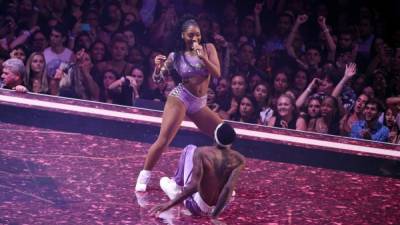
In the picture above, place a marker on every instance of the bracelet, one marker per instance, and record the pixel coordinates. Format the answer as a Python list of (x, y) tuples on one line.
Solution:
[(158, 78)]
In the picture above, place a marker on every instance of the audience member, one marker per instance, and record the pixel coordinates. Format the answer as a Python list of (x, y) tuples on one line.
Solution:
[(370, 128), (36, 79), (13, 75), (286, 115)]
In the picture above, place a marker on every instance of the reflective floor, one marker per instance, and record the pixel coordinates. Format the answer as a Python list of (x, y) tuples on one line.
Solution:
[(53, 177)]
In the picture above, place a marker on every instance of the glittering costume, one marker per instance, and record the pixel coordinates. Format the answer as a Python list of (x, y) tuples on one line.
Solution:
[(187, 66)]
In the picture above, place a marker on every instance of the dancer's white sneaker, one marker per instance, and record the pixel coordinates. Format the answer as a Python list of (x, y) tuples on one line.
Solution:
[(170, 187), (142, 180)]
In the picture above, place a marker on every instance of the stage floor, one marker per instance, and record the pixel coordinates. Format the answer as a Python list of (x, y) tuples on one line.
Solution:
[(53, 177)]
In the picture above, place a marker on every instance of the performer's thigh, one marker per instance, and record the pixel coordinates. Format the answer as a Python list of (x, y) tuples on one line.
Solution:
[(174, 113), (206, 120)]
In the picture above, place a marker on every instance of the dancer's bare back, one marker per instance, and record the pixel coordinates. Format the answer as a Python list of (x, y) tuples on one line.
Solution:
[(220, 170)]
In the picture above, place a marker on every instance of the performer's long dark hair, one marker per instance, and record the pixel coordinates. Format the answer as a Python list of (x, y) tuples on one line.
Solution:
[(176, 43)]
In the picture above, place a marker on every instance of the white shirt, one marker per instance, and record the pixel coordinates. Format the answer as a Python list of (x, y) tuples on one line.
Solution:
[(64, 56)]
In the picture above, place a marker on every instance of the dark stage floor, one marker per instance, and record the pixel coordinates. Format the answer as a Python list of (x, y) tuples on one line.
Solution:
[(53, 177)]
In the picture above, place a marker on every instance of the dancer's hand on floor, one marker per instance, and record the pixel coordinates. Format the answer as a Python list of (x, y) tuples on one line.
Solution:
[(156, 210)]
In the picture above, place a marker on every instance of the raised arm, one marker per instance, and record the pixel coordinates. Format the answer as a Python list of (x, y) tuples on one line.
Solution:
[(393, 100), (226, 192), (257, 11), (86, 65), (302, 98), (117, 85), (23, 37), (162, 66), (348, 74), (289, 43), (328, 37)]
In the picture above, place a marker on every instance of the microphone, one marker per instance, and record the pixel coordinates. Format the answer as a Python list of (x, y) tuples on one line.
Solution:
[(196, 50)]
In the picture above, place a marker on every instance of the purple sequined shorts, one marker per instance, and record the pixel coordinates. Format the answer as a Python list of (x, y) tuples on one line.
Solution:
[(192, 103)]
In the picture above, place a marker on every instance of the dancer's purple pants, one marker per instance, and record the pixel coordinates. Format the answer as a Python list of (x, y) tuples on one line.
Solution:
[(195, 204)]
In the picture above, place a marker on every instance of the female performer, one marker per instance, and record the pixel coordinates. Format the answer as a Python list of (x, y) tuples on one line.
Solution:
[(195, 63)]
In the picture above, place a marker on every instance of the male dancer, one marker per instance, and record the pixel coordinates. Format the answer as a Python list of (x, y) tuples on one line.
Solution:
[(207, 174)]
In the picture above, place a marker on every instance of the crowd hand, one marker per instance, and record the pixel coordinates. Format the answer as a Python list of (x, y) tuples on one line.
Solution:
[(392, 136), (21, 89), (13, 53), (365, 133), (85, 65), (59, 74), (258, 8), (301, 19), (350, 70), (284, 124), (322, 22), (314, 83), (132, 82), (234, 106), (80, 55), (220, 40)]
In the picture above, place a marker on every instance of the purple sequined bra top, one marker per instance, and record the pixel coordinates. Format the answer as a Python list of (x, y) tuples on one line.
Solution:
[(189, 66)]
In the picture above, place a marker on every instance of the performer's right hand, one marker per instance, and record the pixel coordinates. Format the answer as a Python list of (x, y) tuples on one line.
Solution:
[(159, 61)]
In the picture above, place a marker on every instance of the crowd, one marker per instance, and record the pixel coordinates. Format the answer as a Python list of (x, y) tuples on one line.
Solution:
[(322, 66)]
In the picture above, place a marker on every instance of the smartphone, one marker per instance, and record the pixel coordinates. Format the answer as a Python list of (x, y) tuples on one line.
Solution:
[(85, 27)]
